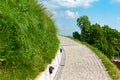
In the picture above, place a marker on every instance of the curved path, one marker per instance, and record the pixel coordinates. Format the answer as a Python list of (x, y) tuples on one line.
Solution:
[(80, 63)]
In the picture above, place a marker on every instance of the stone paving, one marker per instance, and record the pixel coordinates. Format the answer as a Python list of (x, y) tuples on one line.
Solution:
[(80, 63)]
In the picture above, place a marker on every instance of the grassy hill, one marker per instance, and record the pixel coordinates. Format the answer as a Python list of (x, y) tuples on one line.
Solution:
[(28, 40)]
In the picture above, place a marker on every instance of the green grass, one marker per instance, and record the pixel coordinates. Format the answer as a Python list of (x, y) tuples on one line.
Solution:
[(28, 39), (110, 67)]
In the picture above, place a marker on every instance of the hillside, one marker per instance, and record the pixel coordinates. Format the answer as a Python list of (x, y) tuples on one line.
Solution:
[(28, 40)]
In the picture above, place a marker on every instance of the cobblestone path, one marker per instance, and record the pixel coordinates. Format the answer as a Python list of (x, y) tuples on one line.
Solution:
[(80, 63)]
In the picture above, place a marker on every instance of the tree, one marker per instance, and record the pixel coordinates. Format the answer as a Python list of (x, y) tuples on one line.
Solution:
[(84, 24), (95, 33), (104, 38), (76, 35), (112, 37)]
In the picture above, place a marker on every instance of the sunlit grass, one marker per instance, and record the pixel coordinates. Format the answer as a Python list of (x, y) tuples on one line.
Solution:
[(28, 40)]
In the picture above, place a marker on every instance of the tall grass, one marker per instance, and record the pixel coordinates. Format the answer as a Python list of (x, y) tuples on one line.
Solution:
[(28, 40)]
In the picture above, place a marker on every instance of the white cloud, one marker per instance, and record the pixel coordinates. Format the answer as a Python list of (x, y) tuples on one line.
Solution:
[(118, 23), (115, 1), (75, 3), (49, 4), (68, 3), (118, 18), (56, 5), (71, 14)]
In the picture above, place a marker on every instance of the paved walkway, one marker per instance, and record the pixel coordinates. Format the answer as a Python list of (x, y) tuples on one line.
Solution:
[(80, 63)]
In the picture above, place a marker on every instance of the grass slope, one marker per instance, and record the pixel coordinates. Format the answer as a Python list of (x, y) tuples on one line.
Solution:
[(28, 40)]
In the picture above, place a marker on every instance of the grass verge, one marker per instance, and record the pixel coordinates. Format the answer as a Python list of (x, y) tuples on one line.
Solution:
[(110, 67)]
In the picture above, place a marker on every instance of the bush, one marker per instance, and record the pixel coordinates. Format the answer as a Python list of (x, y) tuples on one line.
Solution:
[(76, 35)]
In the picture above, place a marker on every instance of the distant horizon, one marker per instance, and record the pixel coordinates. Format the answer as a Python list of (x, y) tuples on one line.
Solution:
[(103, 12)]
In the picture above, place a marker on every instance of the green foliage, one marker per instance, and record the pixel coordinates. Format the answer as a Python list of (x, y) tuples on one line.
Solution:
[(28, 40), (113, 37), (95, 33), (104, 38), (84, 24), (76, 35)]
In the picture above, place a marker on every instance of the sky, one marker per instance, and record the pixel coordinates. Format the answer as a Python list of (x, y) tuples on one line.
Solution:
[(66, 12)]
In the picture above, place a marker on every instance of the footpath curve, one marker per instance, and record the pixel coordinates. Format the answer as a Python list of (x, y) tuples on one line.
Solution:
[(80, 63)]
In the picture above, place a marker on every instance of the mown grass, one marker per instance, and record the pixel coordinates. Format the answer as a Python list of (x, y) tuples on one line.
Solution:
[(28, 40), (109, 65)]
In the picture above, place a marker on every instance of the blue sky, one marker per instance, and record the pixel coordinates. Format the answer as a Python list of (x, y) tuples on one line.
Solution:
[(104, 12)]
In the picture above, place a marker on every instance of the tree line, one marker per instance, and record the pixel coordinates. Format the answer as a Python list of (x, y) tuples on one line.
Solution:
[(104, 38)]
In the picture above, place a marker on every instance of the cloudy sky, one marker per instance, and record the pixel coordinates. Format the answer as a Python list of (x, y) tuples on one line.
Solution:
[(99, 11)]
